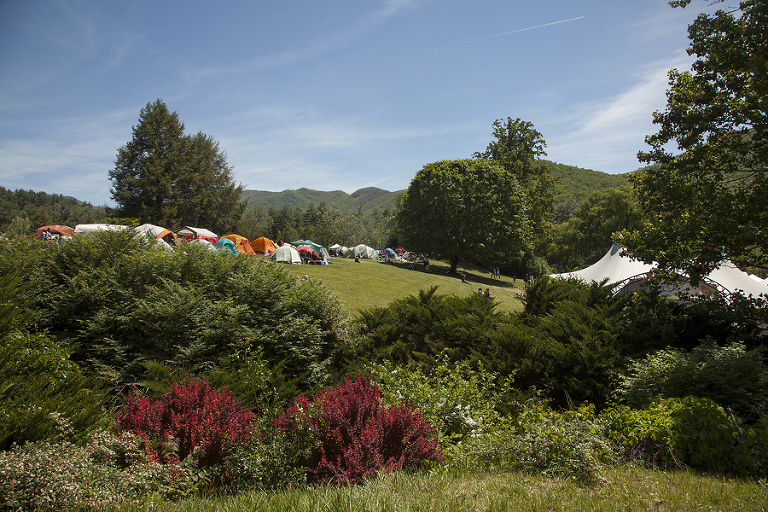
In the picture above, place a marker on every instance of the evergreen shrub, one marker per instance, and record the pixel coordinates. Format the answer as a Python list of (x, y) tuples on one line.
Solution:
[(120, 301), (345, 434)]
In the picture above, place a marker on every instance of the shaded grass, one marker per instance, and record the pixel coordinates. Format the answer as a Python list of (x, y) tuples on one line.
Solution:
[(621, 488), (371, 284)]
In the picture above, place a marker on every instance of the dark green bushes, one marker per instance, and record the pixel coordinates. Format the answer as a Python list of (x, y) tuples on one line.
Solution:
[(120, 303)]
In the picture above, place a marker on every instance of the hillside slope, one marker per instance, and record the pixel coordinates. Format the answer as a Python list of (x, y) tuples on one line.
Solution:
[(573, 184)]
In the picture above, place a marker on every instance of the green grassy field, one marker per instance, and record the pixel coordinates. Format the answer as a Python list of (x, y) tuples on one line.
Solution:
[(621, 488), (370, 283)]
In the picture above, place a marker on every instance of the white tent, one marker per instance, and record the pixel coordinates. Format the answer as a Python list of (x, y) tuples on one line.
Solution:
[(729, 278), (286, 254), (625, 273), (614, 267), (362, 251), (87, 229), (195, 232)]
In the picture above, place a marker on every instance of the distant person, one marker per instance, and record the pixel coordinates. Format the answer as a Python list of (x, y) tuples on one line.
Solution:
[(357, 259), (426, 266), (488, 293)]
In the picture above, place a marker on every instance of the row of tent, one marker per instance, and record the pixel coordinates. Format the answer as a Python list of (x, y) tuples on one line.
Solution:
[(296, 252)]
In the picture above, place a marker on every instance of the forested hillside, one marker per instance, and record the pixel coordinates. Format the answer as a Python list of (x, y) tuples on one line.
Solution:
[(23, 210), (573, 184)]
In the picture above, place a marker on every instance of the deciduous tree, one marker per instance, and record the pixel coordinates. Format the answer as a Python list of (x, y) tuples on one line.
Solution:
[(466, 208), (709, 199), (517, 148)]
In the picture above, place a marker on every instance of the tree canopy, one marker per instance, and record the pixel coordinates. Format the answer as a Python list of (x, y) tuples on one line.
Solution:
[(517, 148), (168, 178), (707, 200), (462, 208)]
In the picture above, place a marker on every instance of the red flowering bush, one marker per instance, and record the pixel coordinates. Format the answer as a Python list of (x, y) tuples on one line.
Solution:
[(349, 435), (191, 419)]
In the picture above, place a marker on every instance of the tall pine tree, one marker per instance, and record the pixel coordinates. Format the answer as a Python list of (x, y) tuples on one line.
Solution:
[(165, 177)]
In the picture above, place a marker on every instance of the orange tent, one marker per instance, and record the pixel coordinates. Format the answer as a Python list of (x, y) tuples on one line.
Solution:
[(241, 243), (56, 230), (263, 245)]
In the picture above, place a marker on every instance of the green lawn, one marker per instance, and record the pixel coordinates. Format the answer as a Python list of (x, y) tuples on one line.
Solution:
[(621, 488), (370, 283)]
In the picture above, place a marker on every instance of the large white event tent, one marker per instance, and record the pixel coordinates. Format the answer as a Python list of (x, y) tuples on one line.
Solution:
[(625, 273)]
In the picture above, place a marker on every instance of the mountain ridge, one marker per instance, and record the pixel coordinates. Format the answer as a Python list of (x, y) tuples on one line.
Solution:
[(573, 184)]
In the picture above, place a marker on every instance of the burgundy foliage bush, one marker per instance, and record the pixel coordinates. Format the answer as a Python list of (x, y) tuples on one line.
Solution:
[(192, 418), (351, 436)]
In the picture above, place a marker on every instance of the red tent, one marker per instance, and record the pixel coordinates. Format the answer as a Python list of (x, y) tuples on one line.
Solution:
[(56, 230), (307, 252)]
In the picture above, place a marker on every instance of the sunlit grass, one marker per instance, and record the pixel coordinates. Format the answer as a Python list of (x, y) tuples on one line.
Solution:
[(621, 488), (370, 283)]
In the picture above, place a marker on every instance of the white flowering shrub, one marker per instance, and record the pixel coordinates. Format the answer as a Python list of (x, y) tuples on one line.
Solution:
[(454, 398), (107, 471), (538, 439)]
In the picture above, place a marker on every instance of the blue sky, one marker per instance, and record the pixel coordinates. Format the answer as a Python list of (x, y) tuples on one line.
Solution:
[(329, 95)]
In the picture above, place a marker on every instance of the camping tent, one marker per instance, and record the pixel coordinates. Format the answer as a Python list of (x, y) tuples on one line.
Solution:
[(159, 233), (308, 253), (362, 251), (286, 254), (88, 229), (226, 246), (197, 233), (322, 251), (241, 243), (56, 230), (625, 273), (263, 245)]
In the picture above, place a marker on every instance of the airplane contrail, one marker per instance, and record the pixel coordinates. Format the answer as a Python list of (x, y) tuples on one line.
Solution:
[(524, 29)]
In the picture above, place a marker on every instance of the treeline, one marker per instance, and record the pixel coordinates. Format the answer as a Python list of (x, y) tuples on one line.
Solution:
[(322, 224), (580, 231), (22, 211)]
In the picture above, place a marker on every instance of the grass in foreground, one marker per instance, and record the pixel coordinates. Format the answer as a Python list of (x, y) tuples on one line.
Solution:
[(622, 488), (371, 284)]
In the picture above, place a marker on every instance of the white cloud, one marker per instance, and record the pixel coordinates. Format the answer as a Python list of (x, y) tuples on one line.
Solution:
[(607, 135)]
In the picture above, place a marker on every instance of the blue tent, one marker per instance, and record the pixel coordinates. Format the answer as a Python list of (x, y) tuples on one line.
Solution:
[(226, 245)]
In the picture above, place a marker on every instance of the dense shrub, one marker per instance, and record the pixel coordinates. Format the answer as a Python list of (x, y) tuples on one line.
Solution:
[(731, 376), (192, 420), (345, 434), (568, 444), (266, 461), (454, 398), (418, 328), (105, 472), (120, 302), (690, 432), (653, 323), (39, 385)]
